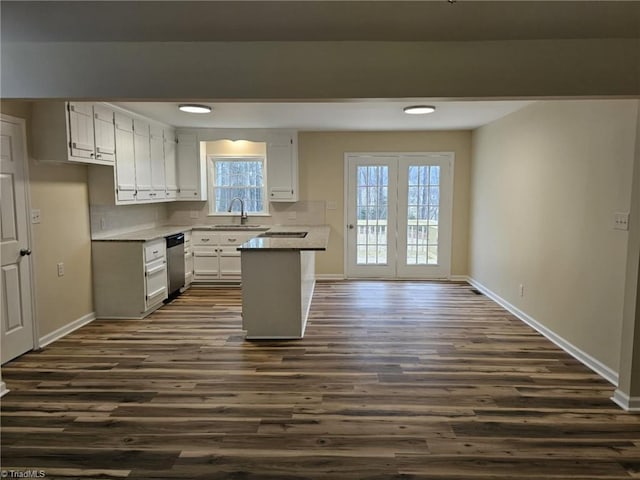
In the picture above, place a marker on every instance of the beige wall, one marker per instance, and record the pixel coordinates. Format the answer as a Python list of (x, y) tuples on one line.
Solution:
[(546, 181), (60, 192), (321, 157)]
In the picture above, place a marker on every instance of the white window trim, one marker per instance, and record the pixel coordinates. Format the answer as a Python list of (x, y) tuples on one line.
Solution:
[(211, 184)]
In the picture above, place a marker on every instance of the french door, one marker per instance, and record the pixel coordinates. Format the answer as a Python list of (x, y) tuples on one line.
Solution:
[(398, 211)]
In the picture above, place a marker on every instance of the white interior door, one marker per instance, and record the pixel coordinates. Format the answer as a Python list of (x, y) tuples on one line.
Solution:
[(15, 278), (398, 215)]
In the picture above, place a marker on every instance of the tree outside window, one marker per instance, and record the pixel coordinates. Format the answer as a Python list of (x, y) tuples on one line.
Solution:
[(242, 177)]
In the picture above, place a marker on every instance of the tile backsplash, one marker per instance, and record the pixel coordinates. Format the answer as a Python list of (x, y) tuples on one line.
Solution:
[(112, 220), (295, 213)]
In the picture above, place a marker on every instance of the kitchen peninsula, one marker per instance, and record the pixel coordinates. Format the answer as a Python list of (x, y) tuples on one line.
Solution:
[(278, 278)]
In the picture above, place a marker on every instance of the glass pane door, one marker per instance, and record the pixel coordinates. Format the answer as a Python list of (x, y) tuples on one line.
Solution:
[(424, 205), (398, 215), (371, 209)]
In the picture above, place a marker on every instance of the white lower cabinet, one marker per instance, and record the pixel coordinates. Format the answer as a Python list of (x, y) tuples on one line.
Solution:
[(129, 277), (215, 256)]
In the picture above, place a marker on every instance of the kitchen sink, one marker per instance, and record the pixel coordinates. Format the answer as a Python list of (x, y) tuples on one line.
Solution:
[(228, 227), (283, 234)]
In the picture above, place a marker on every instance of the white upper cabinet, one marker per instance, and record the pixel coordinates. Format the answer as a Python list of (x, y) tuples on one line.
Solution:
[(158, 182), (66, 132), (104, 133), (142, 156), (170, 166), (282, 167), (125, 170), (191, 168), (81, 130)]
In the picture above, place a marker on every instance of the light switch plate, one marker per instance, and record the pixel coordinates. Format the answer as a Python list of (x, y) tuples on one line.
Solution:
[(35, 215), (621, 221)]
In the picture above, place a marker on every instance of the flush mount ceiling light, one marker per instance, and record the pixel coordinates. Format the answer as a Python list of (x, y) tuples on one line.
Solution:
[(419, 109), (194, 108)]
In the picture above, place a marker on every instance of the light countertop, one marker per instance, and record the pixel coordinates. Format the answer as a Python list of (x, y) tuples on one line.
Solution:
[(317, 239), (144, 235)]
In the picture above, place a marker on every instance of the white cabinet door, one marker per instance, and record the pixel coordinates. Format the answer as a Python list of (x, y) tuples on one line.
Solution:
[(170, 167), (190, 169), (125, 159), (229, 263), (81, 134), (155, 272), (105, 141), (282, 168), (188, 268), (158, 185), (205, 263), (142, 160)]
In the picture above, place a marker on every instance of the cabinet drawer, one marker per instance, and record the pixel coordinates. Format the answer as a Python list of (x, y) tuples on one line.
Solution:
[(154, 250), (234, 238), (200, 237)]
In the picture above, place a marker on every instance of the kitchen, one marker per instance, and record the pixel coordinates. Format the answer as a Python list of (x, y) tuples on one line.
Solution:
[(58, 190)]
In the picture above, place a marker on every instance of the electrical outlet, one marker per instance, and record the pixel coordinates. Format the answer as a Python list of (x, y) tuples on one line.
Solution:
[(35, 215), (620, 221), (521, 290), (60, 269)]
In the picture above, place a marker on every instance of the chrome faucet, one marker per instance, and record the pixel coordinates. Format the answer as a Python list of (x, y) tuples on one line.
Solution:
[(243, 214)]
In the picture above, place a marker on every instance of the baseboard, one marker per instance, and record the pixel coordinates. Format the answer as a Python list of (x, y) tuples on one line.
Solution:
[(630, 404), (3, 389), (600, 368), (459, 278), (329, 276), (67, 329)]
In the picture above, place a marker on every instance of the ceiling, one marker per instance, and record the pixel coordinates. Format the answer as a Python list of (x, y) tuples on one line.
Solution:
[(369, 115), (311, 20)]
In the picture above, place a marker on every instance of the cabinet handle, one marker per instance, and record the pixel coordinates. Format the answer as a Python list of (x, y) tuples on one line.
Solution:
[(206, 239), (99, 155), (92, 154), (195, 193), (231, 239), (155, 251)]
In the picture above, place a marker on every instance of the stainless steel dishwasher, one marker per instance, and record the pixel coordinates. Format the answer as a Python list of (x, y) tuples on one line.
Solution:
[(175, 264)]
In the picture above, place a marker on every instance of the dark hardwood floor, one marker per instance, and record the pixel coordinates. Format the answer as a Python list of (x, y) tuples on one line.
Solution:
[(393, 380)]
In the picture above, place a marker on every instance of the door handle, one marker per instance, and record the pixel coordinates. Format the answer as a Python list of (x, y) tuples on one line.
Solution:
[(351, 226), (25, 251)]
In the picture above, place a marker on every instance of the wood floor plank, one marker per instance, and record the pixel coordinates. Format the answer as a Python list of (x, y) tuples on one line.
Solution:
[(393, 380)]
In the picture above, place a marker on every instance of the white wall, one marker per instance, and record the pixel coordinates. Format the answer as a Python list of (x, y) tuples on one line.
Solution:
[(546, 181)]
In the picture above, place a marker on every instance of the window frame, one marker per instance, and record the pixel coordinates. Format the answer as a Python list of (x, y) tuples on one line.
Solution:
[(211, 182)]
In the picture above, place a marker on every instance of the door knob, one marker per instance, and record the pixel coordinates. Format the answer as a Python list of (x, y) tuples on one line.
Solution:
[(351, 226), (25, 251)]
